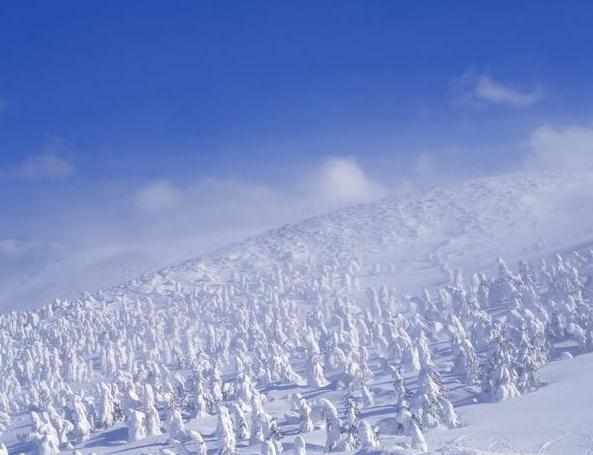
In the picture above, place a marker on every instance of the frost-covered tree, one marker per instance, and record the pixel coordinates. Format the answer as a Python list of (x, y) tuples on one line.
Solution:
[(499, 377), (153, 421), (352, 418), (465, 363), (240, 422), (268, 448), (197, 438), (136, 426), (505, 287), (417, 437), (106, 407), (82, 426), (300, 446), (225, 432), (304, 410), (276, 436), (260, 421), (399, 385), (176, 426), (426, 402), (366, 436), (315, 374), (45, 444), (332, 424), (367, 396), (448, 415)]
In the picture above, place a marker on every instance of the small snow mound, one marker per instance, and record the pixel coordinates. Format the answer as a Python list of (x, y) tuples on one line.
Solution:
[(566, 356)]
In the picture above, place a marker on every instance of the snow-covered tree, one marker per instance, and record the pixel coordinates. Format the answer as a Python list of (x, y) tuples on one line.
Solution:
[(316, 376), (136, 426), (332, 424), (153, 421), (175, 426), (304, 410), (367, 436), (82, 426), (300, 446), (418, 440)]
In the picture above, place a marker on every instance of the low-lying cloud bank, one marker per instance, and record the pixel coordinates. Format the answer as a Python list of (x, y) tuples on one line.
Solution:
[(336, 182), (103, 240)]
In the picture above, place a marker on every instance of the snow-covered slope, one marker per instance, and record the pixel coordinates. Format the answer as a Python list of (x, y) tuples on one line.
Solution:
[(556, 420), (267, 316), (417, 240)]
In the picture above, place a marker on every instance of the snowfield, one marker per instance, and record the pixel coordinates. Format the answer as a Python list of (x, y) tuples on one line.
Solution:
[(389, 327), (554, 420)]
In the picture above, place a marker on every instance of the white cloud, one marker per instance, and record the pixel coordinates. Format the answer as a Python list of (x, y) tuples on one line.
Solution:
[(158, 196), (341, 181), (568, 148), (44, 166), (496, 92), (479, 90), (336, 182)]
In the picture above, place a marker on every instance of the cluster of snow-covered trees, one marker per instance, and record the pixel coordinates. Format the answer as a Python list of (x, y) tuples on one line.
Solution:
[(159, 358)]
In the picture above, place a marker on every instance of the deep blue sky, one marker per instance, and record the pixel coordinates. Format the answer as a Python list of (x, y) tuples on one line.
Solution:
[(179, 88)]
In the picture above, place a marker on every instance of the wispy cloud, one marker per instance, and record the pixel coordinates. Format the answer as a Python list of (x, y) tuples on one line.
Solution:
[(158, 196), (496, 92), (341, 181), (44, 166), (482, 89), (49, 162), (10, 248), (336, 182), (562, 148)]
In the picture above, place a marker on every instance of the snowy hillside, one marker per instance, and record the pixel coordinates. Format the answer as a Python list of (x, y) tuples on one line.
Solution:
[(417, 240), (320, 337), (467, 224)]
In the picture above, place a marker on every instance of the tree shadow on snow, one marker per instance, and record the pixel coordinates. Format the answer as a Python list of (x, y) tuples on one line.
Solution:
[(21, 447), (378, 411), (320, 391), (289, 447), (143, 446), (281, 387), (114, 437)]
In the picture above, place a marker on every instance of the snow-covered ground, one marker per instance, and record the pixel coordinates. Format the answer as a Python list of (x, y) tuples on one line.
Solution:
[(555, 420), (328, 300)]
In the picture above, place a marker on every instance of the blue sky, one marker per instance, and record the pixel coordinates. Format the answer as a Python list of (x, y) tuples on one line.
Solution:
[(117, 115), (226, 87)]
